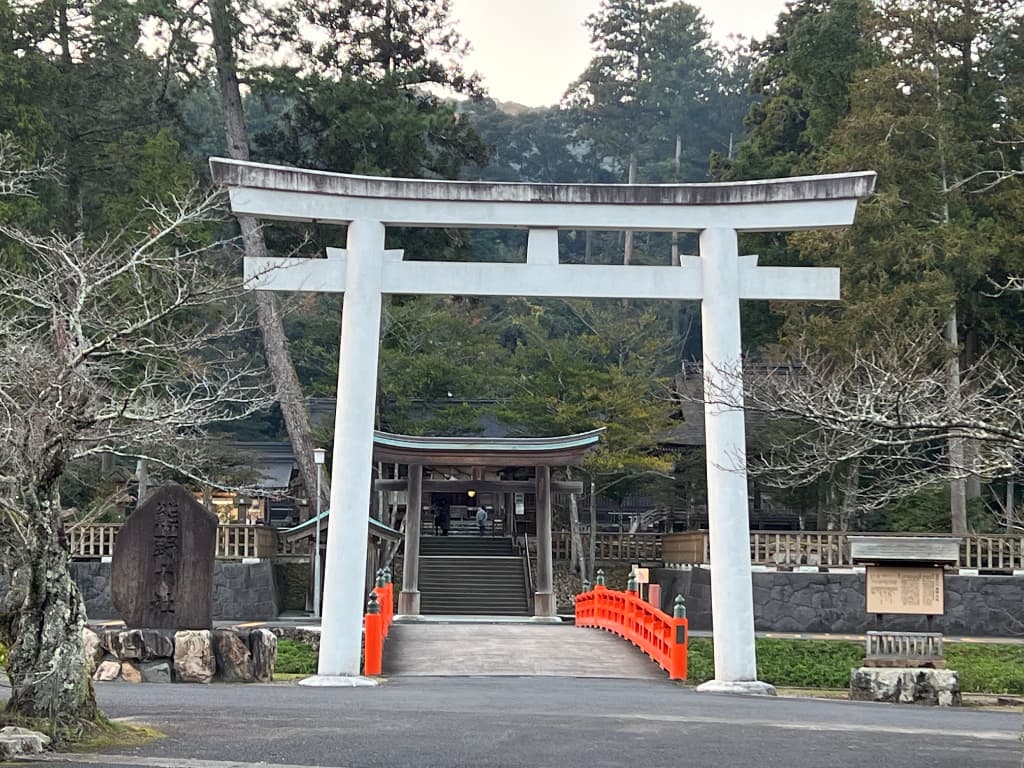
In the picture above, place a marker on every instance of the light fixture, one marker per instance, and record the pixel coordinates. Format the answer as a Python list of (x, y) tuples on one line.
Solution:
[(471, 493), (319, 455)]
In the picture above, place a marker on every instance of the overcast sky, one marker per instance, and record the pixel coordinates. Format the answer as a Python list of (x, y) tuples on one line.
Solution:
[(529, 51)]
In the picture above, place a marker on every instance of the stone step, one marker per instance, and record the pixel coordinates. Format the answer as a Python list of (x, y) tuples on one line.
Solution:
[(460, 584)]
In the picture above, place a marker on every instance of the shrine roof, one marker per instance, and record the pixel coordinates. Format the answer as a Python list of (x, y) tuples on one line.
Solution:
[(564, 450)]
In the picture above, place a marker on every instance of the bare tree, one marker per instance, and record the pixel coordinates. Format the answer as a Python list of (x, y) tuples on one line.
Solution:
[(877, 423), (121, 347)]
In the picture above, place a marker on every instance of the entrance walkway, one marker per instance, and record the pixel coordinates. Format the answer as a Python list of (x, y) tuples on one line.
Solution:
[(511, 649)]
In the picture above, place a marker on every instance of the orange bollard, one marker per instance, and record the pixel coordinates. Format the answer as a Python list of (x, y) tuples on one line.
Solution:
[(677, 654), (680, 638), (373, 638), (382, 601)]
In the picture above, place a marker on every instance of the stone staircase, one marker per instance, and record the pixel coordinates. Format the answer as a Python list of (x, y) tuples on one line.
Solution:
[(471, 575)]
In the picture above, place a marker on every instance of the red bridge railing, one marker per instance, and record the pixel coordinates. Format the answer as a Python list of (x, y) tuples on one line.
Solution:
[(660, 636), (380, 610)]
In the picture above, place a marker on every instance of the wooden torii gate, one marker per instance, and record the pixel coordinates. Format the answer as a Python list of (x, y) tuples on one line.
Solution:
[(718, 278)]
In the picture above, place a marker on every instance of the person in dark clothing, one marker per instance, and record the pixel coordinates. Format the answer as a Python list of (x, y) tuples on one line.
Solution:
[(444, 515)]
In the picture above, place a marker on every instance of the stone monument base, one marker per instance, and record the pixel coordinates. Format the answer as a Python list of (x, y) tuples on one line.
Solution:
[(906, 685), (182, 656)]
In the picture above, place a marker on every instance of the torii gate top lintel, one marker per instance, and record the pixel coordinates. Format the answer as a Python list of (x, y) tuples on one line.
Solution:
[(281, 192)]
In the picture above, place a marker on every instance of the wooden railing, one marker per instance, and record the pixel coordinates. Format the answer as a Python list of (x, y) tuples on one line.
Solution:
[(904, 649), (96, 540), (993, 552), (799, 548), (238, 541), (93, 540), (984, 552), (613, 547)]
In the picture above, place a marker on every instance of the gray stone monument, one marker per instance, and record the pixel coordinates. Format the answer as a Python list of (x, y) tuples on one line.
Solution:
[(162, 571)]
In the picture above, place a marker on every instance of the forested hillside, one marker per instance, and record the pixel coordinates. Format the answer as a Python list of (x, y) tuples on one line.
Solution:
[(128, 101)]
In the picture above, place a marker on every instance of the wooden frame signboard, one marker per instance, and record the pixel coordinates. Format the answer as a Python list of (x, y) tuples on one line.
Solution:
[(905, 590)]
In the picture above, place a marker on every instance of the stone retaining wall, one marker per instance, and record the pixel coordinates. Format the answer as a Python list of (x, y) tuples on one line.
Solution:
[(790, 601), (241, 591)]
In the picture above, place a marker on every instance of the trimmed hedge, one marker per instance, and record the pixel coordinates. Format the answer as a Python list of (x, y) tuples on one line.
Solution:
[(983, 668)]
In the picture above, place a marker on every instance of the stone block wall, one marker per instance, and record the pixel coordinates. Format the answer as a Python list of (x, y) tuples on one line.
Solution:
[(93, 578), (241, 591), (791, 601), (244, 591)]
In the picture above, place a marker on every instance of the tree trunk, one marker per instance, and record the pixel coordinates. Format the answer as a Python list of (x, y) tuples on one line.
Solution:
[(576, 560), (1010, 516), (627, 256), (41, 621), (957, 486), (675, 233), (275, 343), (850, 495), (142, 475)]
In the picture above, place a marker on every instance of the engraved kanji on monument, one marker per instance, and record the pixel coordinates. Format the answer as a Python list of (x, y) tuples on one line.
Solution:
[(162, 570)]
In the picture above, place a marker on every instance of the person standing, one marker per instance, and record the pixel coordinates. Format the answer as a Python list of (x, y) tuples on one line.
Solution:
[(444, 515), (481, 520)]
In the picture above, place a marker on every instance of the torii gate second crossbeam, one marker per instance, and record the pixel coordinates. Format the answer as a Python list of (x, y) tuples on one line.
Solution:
[(718, 278)]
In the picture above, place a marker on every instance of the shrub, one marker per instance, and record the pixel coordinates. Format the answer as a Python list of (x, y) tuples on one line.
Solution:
[(827, 664), (987, 668), (295, 658)]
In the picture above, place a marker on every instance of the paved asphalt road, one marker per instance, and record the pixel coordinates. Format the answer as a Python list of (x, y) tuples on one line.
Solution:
[(540, 721)]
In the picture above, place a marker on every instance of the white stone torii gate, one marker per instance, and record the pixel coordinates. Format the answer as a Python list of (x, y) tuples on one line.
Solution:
[(718, 278)]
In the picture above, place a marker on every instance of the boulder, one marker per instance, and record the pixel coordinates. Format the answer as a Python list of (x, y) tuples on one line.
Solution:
[(93, 649), (16, 741), (156, 671), (902, 685), (140, 644), (234, 661), (263, 647), (194, 660), (108, 669), (130, 672)]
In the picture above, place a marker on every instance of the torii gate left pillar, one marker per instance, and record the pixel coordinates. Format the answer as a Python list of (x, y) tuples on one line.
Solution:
[(719, 278)]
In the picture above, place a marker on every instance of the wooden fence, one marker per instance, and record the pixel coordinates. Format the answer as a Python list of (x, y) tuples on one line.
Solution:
[(610, 547), (993, 553), (96, 540), (998, 553)]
